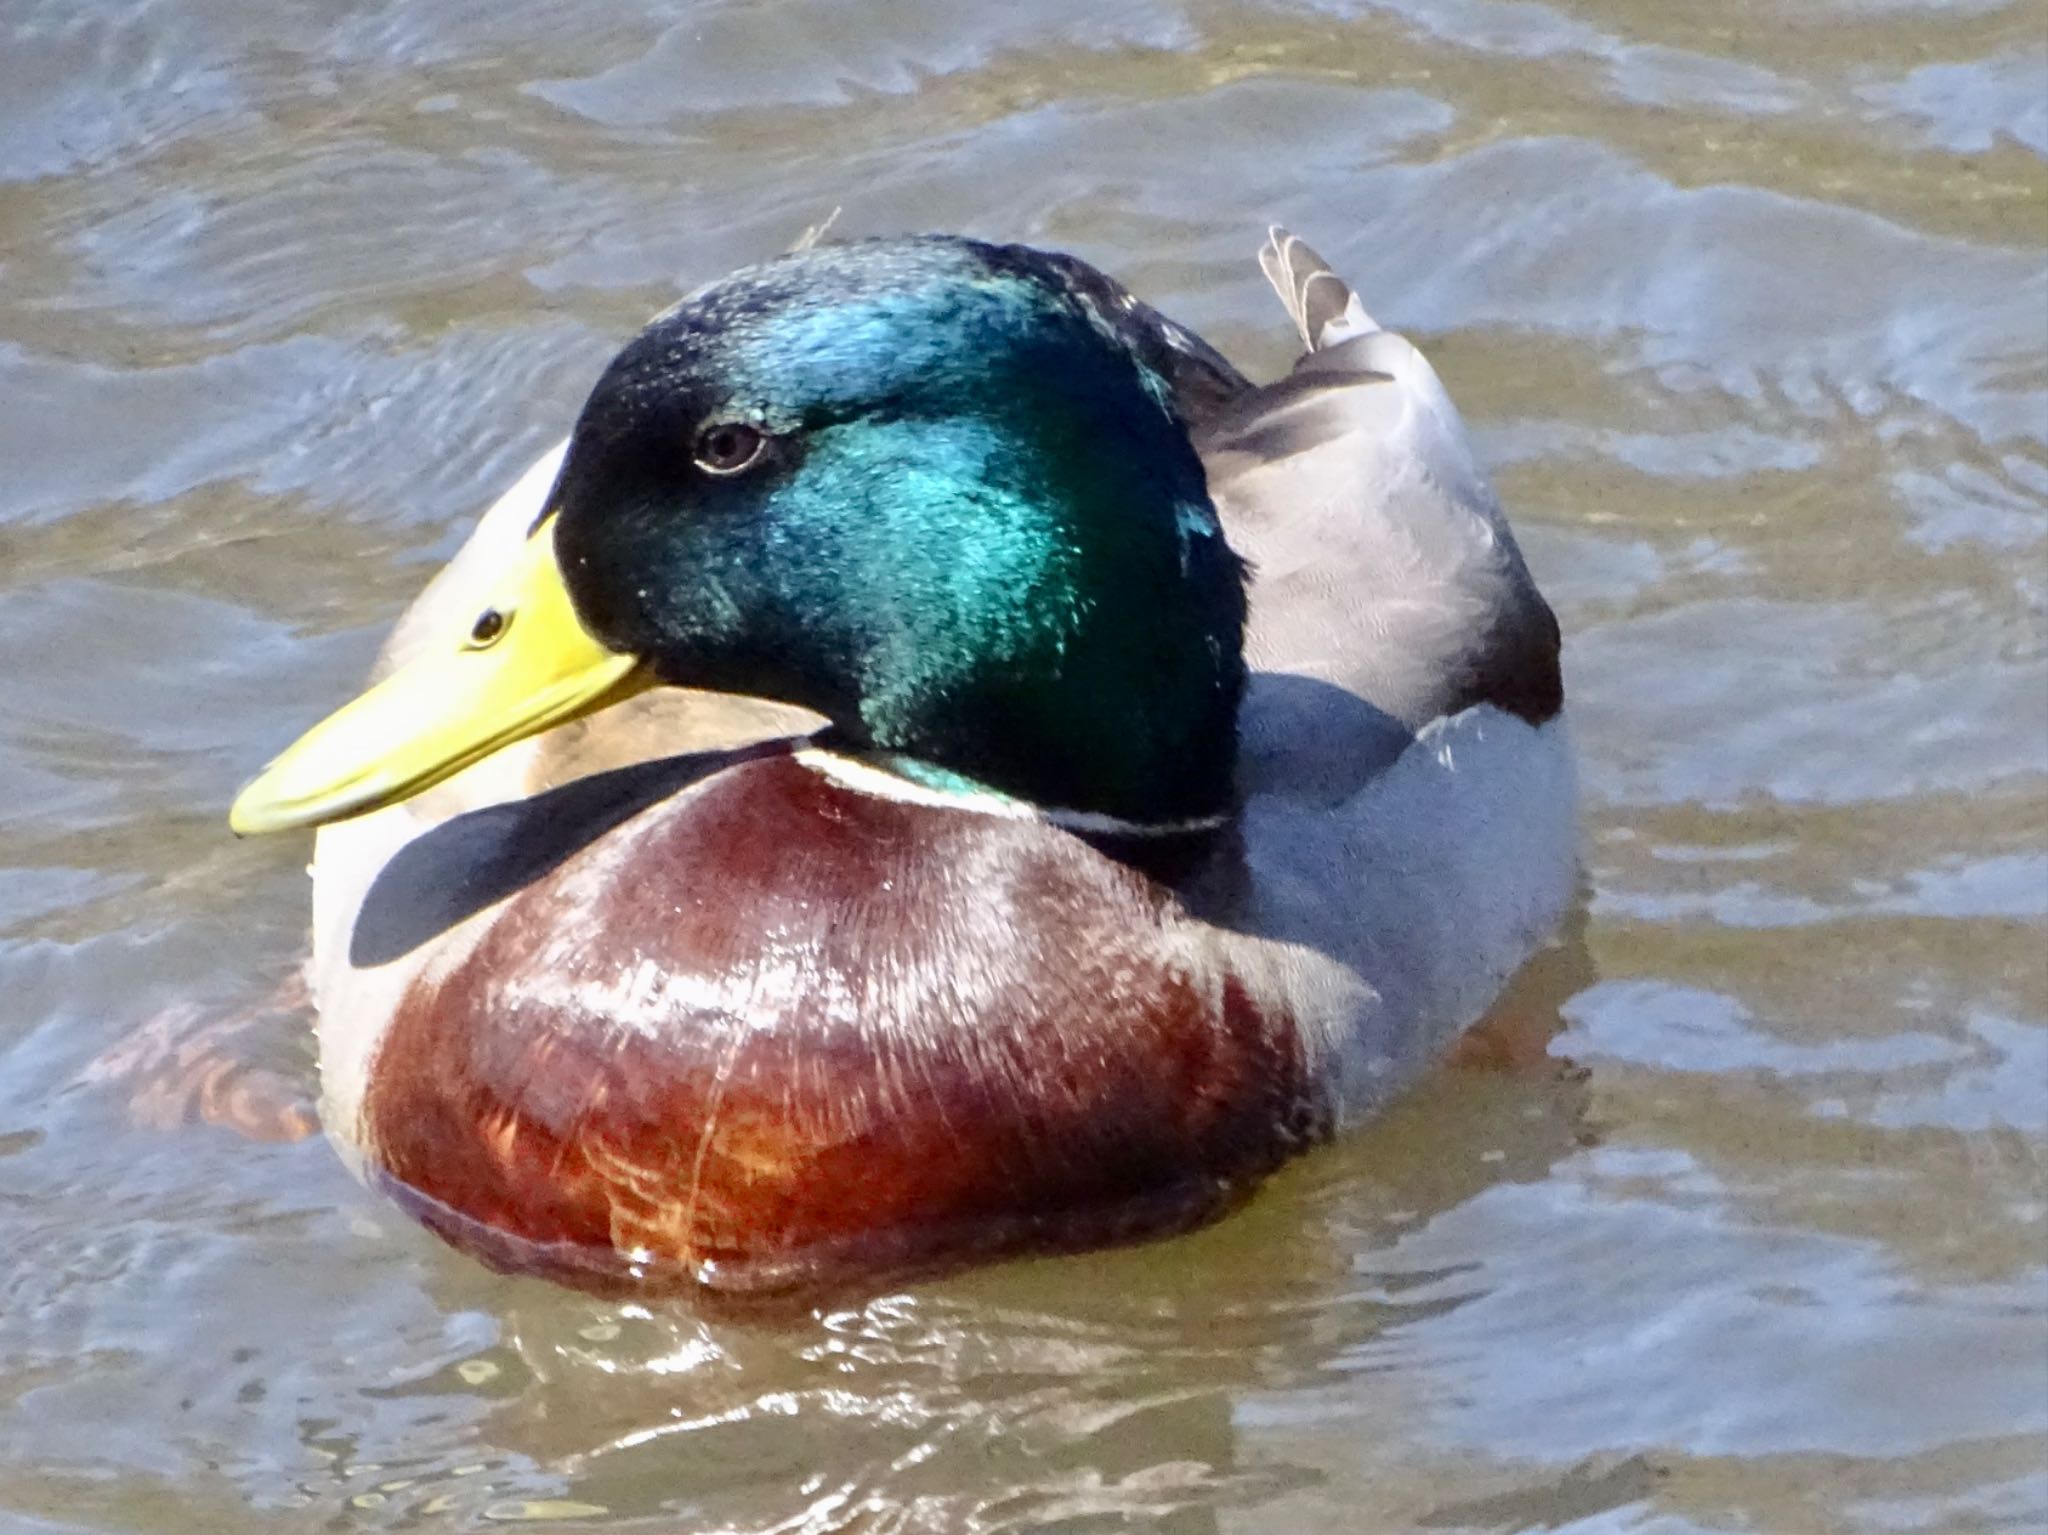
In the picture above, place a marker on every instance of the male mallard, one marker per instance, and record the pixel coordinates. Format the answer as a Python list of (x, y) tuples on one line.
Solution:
[(1188, 772)]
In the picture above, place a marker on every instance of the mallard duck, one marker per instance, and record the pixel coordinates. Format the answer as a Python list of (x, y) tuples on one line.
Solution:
[(937, 765)]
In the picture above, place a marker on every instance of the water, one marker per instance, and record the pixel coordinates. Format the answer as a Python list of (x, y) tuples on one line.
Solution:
[(1749, 308)]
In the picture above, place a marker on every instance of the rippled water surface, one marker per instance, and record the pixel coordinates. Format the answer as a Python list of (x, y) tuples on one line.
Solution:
[(1746, 303)]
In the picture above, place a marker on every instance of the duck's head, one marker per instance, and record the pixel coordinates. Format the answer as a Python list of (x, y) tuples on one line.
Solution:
[(925, 488)]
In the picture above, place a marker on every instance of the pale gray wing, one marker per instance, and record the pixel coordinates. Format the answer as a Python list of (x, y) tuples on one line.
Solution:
[(1387, 590)]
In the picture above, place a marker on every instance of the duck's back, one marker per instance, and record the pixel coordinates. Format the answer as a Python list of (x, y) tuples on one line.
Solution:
[(1382, 566), (1409, 824)]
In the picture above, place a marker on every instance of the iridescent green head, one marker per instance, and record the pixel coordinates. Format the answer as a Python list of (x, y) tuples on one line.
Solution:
[(936, 491), (929, 489)]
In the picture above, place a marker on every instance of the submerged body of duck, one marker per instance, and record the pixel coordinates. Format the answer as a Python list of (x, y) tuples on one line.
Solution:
[(1083, 779)]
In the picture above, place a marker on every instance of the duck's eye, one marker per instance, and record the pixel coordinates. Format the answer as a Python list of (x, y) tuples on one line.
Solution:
[(488, 626), (729, 447)]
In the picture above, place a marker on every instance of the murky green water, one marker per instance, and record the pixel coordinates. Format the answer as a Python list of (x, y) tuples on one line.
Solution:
[(1749, 305)]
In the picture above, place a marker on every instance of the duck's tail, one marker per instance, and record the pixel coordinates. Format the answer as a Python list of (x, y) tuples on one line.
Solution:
[(1323, 307)]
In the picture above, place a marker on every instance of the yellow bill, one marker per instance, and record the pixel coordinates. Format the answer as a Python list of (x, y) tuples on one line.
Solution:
[(524, 663)]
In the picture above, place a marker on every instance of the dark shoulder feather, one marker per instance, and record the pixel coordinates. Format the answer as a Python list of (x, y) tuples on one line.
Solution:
[(1201, 378)]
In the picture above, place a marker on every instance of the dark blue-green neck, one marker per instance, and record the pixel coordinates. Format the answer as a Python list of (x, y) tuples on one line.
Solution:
[(1057, 622), (981, 540)]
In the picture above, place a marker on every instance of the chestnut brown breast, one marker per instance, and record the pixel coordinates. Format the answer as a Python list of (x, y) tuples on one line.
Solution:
[(775, 1033)]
